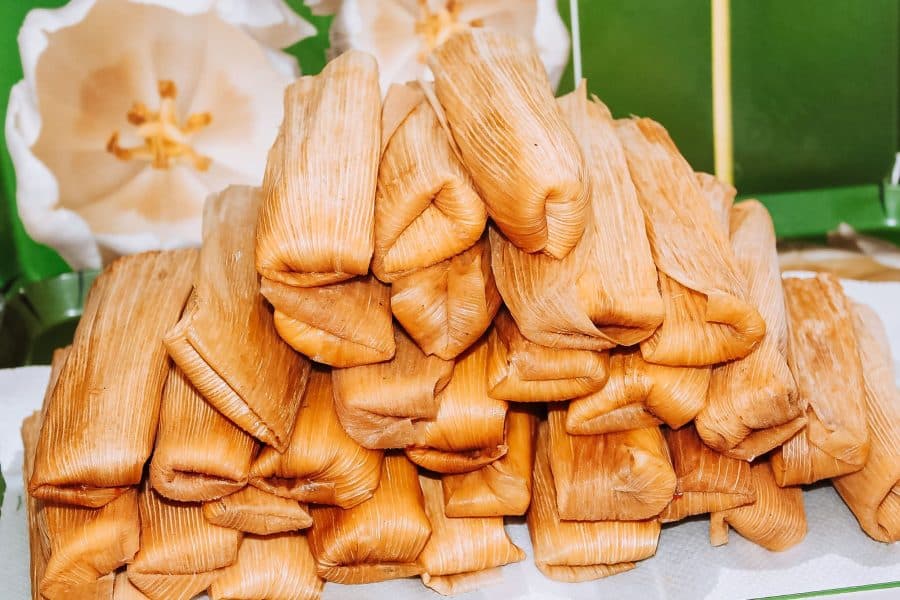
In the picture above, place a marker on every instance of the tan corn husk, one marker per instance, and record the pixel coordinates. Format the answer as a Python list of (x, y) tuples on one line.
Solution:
[(622, 476), (574, 551), (393, 518), (469, 429), (639, 394), (343, 325), (776, 521), (720, 197), (101, 419), (825, 361), (426, 208), (276, 567), (200, 455), (123, 589), (316, 226), (707, 481), (524, 160), (461, 546), (502, 487), (873, 493), (322, 463), (243, 369), (258, 512), (448, 306), (753, 405), (382, 405), (708, 318)]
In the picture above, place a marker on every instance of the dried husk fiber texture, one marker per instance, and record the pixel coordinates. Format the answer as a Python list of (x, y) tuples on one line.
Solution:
[(254, 511)]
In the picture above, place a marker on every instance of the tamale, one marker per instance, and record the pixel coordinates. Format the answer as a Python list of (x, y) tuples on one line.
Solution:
[(275, 567), (243, 369), (604, 293), (426, 207), (460, 547), (343, 325), (378, 539), (707, 481), (181, 552), (873, 493), (622, 476), (381, 405), (123, 589), (522, 371), (200, 455), (720, 197), (524, 160), (776, 521), (448, 306), (101, 419), (316, 225), (753, 405), (576, 551), (255, 511), (322, 464), (825, 361), (469, 429), (708, 318)]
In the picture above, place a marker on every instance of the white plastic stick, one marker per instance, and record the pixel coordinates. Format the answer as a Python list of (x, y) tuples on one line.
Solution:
[(576, 41)]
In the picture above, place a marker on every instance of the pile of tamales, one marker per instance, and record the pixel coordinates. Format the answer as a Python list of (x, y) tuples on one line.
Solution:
[(458, 303)]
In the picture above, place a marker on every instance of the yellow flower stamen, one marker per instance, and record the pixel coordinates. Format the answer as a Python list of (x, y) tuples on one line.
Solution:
[(436, 27)]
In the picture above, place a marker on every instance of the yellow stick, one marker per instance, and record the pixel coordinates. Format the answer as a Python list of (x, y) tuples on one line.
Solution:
[(723, 143)]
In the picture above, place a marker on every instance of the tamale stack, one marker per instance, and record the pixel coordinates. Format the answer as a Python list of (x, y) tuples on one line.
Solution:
[(426, 207), (776, 521), (523, 158), (825, 362), (255, 511), (343, 325), (393, 519), (753, 405), (316, 225), (504, 486), (276, 567), (873, 493), (622, 476), (200, 455), (575, 551), (708, 318), (243, 369), (382, 405), (101, 419), (707, 481), (469, 429), (448, 306), (322, 464), (522, 371), (460, 550)]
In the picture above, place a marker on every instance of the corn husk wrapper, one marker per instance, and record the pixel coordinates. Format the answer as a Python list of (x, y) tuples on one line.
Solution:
[(522, 371), (575, 551), (825, 361), (448, 306), (539, 206), (322, 464), (622, 476), (200, 455), (502, 487), (382, 405), (255, 511), (123, 589), (346, 324), (316, 225), (776, 521), (720, 198), (873, 493), (708, 318), (470, 427), (243, 369), (276, 567), (111, 385), (707, 481), (393, 518)]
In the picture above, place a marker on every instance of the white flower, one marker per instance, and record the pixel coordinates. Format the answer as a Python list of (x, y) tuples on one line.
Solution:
[(132, 111)]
